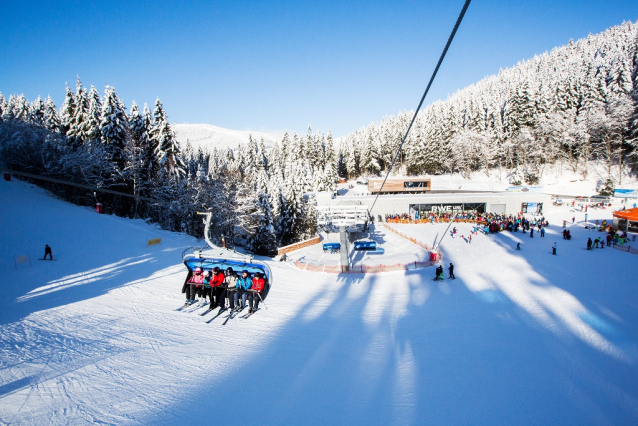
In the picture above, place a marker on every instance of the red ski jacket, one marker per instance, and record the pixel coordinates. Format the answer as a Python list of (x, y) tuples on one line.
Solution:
[(218, 279), (258, 284)]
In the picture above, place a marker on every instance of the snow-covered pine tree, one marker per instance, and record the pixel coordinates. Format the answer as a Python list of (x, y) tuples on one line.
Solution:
[(68, 111), (91, 130), (37, 112), (167, 148), (114, 128), (262, 239), (3, 105), (78, 122), (51, 117)]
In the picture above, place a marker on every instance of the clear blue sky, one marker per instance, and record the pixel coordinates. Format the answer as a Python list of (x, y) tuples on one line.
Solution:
[(275, 65)]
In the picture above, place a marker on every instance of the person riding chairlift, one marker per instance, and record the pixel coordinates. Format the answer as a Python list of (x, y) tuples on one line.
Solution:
[(255, 290), (196, 281)]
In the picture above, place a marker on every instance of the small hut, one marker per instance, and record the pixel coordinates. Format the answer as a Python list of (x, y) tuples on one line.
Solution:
[(626, 220)]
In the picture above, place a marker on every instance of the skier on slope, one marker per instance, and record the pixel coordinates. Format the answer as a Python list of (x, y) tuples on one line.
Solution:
[(451, 269), (47, 252), (554, 248), (439, 273), (589, 243)]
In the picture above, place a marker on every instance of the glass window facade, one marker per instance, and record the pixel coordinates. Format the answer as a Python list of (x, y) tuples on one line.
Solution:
[(425, 209), (532, 208), (409, 185)]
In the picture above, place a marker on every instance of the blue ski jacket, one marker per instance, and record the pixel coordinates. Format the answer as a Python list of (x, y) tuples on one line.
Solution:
[(245, 283)]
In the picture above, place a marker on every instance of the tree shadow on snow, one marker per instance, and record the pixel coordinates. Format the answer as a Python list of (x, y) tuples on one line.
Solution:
[(408, 350)]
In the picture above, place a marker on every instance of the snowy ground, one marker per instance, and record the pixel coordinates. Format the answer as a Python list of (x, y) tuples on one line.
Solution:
[(518, 338), (396, 250)]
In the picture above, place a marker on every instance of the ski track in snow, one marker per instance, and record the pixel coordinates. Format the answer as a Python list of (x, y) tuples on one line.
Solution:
[(518, 338)]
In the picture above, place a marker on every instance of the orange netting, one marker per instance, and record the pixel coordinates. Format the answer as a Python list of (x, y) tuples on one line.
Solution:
[(436, 220)]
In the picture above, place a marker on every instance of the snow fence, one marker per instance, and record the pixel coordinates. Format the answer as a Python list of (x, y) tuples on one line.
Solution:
[(363, 269), (627, 248), (299, 245)]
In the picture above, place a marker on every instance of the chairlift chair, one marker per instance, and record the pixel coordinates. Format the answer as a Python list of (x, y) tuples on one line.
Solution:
[(209, 258)]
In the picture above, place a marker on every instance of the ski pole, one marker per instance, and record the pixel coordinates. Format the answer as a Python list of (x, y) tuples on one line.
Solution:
[(262, 300)]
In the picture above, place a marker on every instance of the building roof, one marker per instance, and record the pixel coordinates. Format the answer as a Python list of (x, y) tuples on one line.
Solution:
[(629, 214)]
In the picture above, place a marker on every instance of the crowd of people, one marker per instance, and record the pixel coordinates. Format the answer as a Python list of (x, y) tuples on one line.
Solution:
[(499, 222), (483, 218), (217, 286)]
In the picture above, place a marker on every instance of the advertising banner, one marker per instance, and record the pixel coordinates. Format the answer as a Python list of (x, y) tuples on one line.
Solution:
[(626, 193)]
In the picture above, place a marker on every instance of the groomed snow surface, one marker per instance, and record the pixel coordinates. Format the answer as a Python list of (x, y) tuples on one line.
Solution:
[(520, 337)]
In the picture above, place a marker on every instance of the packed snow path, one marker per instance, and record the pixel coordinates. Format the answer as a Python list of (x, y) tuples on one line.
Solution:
[(518, 338)]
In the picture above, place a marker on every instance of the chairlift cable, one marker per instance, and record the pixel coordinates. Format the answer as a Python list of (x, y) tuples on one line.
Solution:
[(456, 26)]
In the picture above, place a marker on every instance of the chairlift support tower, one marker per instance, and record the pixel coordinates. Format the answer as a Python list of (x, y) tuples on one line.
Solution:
[(345, 219)]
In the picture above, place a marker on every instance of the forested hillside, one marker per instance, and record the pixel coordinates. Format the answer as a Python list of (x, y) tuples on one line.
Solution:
[(258, 198), (572, 105)]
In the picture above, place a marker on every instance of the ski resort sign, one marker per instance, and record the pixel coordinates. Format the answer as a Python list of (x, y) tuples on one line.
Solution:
[(154, 242), (424, 209)]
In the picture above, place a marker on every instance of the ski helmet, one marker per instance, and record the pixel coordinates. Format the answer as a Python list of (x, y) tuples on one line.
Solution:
[(198, 270), (216, 269), (229, 270)]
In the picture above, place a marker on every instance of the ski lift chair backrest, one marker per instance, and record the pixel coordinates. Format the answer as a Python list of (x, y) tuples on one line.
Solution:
[(208, 264)]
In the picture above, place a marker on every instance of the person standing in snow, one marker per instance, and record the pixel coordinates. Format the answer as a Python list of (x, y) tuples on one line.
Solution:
[(589, 244), (518, 246), (439, 273), (554, 248), (531, 233), (542, 232), (451, 269), (47, 252)]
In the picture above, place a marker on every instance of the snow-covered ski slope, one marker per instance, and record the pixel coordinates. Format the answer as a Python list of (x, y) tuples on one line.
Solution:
[(518, 338)]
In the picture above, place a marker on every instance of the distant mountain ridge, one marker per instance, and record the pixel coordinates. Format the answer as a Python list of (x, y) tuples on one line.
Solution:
[(208, 136)]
